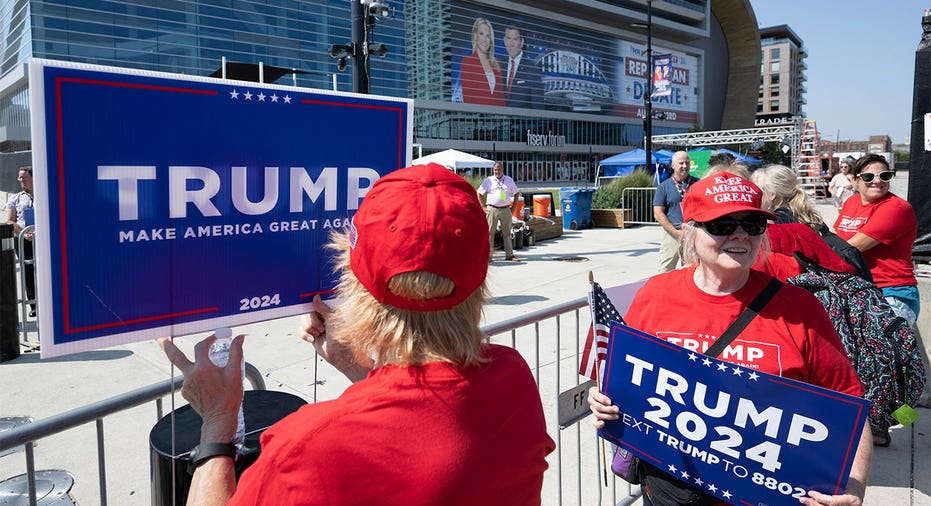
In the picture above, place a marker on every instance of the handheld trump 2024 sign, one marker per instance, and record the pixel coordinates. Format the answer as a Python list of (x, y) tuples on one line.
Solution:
[(743, 436), (169, 204)]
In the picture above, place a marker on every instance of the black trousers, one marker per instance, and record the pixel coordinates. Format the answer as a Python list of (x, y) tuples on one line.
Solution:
[(29, 272)]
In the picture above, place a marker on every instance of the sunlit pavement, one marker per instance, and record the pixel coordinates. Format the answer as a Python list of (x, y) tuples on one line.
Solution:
[(901, 474)]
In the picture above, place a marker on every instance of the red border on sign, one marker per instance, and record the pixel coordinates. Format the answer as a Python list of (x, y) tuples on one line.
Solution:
[(59, 128)]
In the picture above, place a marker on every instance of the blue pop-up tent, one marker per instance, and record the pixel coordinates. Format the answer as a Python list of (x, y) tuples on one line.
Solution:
[(625, 163)]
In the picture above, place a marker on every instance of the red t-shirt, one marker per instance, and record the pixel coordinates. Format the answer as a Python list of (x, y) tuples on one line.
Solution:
[(891, 221), (420, 435), (792, 335)]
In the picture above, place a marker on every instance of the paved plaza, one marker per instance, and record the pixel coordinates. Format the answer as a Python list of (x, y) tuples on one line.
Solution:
[(901, 474)]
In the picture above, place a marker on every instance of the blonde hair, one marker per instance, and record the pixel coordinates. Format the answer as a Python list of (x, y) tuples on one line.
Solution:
[(490, 54), (379, 333), (781, 182)]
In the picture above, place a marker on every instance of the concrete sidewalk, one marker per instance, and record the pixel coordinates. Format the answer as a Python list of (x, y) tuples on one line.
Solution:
[(901, 474)]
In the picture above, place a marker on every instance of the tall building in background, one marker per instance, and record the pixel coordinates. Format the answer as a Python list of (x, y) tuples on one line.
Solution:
[(581, 99), (782, 75)]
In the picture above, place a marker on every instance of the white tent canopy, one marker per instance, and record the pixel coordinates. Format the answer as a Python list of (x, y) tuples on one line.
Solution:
[(456, 161)]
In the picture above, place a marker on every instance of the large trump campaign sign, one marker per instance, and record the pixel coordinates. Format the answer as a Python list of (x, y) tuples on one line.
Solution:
[(168, 204), (741, 435)]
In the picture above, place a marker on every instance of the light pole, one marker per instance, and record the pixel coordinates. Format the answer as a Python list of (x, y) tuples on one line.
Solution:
[(360, 61), (363, 14), (648, 95)]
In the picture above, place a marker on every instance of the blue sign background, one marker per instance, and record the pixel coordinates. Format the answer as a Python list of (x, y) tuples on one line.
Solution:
[(777, 472), (99, 286)]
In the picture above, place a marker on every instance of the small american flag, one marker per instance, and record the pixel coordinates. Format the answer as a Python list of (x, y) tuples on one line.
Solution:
[(596, 344)]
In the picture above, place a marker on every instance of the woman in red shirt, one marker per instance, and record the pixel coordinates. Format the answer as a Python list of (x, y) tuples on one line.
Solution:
[(883, 226), (723, 234)]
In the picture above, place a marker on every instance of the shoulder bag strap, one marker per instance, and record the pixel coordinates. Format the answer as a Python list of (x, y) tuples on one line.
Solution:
[(745, 317)]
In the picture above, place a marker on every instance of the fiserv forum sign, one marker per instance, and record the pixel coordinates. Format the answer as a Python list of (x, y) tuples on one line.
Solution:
[(171, 204)]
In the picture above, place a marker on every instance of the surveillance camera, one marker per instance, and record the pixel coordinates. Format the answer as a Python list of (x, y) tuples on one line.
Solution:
[(334, 51), (379, 8), (341, 64), (381, 50)]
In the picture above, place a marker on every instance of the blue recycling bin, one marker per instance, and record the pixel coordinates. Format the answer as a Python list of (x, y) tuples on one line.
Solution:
[(576, 207)]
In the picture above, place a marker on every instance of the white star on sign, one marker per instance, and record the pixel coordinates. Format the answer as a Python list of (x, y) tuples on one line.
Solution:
[(726, 494), (685, 475), (672, 468), (706, 362), (737, 371), (261, 96), (722, 367), (754, 376), (698, 481), (693, 357), (234, 94), (287, 99), (712, 488), (248, 95), (274, 97)]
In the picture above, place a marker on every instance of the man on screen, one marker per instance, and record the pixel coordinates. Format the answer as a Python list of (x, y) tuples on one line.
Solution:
[(523, 86)]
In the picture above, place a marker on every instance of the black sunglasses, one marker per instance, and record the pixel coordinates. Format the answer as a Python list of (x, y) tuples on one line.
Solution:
[(884, 176), (727, 226)]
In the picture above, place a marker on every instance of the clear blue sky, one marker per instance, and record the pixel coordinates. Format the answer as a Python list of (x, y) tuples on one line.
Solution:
[(861, 61)]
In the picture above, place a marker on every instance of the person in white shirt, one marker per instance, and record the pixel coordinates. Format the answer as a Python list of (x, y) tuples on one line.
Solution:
[(841, 185), (20, 213), (499, 191)]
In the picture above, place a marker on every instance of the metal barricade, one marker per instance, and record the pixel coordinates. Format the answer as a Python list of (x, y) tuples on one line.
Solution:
[(27, 435), (24, 300), (550, 340), (640, 203)]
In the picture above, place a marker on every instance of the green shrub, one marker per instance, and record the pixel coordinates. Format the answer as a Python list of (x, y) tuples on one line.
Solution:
[(609, 196), (475, 181)]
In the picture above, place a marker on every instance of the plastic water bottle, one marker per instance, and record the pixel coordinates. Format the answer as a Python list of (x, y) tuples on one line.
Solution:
[(220, 356)]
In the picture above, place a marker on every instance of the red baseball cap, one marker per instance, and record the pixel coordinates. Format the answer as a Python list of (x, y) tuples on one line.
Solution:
[(721, 194), (421, 218)]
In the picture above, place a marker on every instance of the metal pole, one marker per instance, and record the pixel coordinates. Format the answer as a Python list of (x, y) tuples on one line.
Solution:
[(31, 473), (101, 463), (558, 429), (360, 60), (648, 144)]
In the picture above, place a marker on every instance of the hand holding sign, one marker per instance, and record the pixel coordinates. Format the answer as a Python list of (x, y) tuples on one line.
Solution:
[(736, 433), (313, 329)]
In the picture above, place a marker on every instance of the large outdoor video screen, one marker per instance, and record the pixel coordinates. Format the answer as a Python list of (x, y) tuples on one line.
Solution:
[(560, 67)]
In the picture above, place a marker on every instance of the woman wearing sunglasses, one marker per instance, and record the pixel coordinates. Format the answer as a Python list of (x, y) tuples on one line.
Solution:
[(883, 226), (800, 228), (723, 234), (841, 187)]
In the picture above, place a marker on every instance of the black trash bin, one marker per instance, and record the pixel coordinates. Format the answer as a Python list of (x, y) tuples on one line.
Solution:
[(9, 317), (261, 409)]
